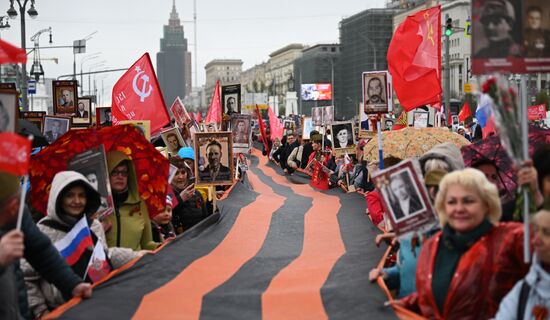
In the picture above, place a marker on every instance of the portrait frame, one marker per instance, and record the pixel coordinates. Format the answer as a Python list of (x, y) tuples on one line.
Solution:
[(48, 122), (350, 145), (289, 127), (170, 132), (241, 143), (179, 112), (59, 87), (387, 123), (144, 126), (100, 117), (384, 79), (34, 117), (421, 216), (421, 119), (231, 91), (307, 127), (85, 121), (202, 140), (9, 113)]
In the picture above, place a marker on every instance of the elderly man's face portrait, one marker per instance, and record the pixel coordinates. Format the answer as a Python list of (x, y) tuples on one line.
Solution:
[(230, 104), (496, 28), (398, 187), (375, 90), (534, 19), (214, 154), (67, 96)]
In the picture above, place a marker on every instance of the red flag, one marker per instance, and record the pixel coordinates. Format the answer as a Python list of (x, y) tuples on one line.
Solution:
[(11, 54), (262, 130), (414, 59), (319, 178), (137, 96), (198, 118), (275, 126), (465, 112), (15, 153), (215, 111)]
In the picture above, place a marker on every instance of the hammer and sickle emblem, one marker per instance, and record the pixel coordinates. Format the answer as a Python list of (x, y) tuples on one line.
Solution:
[(144, 92), (430, 29)]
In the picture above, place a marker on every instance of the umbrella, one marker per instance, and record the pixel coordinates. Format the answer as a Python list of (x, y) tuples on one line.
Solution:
[(151, 166), (11, 54), (27, 128), (411, 142), (490, 150)]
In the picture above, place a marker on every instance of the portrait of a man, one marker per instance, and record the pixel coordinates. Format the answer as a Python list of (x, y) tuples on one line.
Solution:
[(66, 102), (536, 37), (8, 111), (55, 128), (173, 140), (342, 135), (214, 169), (404, 198), (230, 105), (499, 23), (65, 97), (83, 113), (240, 128), (375, 99), (82, 110), (328, 115), (107, 117)]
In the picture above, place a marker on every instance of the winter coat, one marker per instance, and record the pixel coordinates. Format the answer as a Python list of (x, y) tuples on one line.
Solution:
[(131, 226), (538, 280), (484, 274), (188, 213), (447, 152), (295, 157), (41, 294)]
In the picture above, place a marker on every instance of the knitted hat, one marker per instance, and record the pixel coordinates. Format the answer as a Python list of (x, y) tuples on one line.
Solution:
[(187, 153), (10, 185)]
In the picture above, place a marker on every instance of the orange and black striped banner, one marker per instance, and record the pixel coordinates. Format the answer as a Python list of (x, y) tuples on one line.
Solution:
[(278, 249)]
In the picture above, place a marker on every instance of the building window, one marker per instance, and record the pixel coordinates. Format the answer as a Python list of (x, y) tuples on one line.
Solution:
[(333, 49)]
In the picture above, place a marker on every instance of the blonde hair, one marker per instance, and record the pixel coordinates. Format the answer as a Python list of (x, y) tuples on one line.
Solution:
[(472, 180)]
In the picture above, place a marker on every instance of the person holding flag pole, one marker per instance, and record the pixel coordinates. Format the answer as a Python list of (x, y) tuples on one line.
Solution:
[(26, 241)]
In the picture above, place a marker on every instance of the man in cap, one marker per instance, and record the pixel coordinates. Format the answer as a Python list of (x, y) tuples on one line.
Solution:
[(36, 248), (498, 20)]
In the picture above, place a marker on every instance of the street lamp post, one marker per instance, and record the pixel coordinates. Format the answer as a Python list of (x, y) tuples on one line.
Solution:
[(12, 13), (84, 59)]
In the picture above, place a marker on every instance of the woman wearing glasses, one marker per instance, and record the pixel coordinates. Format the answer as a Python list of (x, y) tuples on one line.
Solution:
[(130, 224)]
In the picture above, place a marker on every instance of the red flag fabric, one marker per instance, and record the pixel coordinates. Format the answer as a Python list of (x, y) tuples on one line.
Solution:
[(465, 112), (137, 96), (198, 118), (414, 59), (275, 126), (11, 54), (262, 131), (15, 153), (215, 111), (319, 178)]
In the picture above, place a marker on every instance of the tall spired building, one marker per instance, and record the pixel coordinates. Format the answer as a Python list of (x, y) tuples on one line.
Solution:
[(174, 61)]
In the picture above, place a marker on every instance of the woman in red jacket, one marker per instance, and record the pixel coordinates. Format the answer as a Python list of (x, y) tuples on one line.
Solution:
[(465, 270)]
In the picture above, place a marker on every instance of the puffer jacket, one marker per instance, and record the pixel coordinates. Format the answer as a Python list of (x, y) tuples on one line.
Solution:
[(483, 276), (41, 294), (131, 225), (538, 280)]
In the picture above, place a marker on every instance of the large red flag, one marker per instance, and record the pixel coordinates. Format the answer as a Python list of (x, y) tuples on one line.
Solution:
[(465, 112), (275, 126), (11, 54), (414, 59), (215, 111), (137, 96), (15, 153)]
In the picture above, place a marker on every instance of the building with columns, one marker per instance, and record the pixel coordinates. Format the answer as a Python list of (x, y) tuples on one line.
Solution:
[(280, 69), (174, 61)]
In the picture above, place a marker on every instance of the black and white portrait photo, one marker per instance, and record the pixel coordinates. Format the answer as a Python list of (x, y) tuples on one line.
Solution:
[(65, 96), (536, 28), (213, 158), (104, 117), (375, 95), (55, 127), (402, 195), (328, 114), (342, 135), (173, 140), (231, 99), (83, 114), (240, 129), (317, 116), (8, 110)]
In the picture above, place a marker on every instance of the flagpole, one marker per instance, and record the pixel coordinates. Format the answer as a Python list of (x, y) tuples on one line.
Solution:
[(91, 257), (23, 195), (380, 153), (525, 151)]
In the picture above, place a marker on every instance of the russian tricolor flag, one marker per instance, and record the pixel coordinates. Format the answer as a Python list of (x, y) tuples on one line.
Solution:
[(484, 115), (73, 245)]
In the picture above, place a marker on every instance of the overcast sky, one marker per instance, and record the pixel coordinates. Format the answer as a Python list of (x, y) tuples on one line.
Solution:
[(240, 29)]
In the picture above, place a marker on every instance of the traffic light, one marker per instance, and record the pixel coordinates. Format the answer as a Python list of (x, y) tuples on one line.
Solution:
[(449, 27)]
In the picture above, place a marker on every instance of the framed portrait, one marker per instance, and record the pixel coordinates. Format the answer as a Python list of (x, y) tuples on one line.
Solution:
[(405, 198), (173, 140), (387, 123), (420, 119), (289, 127), (83, 114), (65, 95), (144, 126), (376, 92), (328, 115), (9, 113), (34, 117), (180, 113), (231, 99), (367, 123), (209, 127), (322, 115), (55, 127), (241, 132), (342, 137), (213, 158), (92, 163), (307, 127), (103, 117)]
